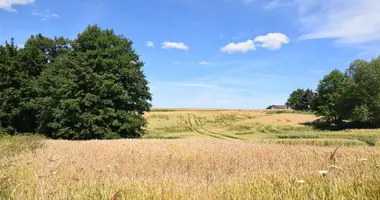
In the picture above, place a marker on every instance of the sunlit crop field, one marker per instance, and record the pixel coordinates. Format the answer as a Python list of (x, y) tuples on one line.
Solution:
[(190, 154), (259, 126)]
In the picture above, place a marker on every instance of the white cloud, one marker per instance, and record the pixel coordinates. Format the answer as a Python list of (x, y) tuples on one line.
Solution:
[(149, 43), (347, 21), (272, 41), (204, 63), (46, 14), (7, 4), (239, 47), (174, 45), (272, 4), (176, 62)]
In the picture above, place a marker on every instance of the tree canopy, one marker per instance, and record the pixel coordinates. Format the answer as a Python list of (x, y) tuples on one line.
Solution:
[(367, 83), (352, 96), (301, 99), (306, 100), (294, 99), (90, 87), (331, 90)]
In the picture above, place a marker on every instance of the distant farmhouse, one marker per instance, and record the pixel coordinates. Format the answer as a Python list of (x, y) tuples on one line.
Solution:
[(278, 107)]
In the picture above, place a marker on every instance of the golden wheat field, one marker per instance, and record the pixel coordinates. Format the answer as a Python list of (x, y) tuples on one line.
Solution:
[(199, 154)]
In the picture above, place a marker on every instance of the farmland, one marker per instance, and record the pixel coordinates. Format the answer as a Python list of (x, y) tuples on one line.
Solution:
[(258, 126), (199, 154)]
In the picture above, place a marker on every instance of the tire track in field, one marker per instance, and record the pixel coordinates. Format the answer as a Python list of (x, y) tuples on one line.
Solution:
[(215, 133), (194, 124)]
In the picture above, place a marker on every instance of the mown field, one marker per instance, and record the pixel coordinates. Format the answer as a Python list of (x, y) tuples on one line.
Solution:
[(193, 154)]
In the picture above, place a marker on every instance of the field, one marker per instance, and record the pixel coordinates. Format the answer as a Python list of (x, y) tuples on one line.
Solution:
[(258, 126), (193, 154)]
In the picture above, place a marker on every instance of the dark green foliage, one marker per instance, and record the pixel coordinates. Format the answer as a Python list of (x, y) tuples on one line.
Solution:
[(331, 90), (92, 87), (367, 79), (301, 100), (16, 112), (361, 113), (351, 71), (350, 99), (306, 100), (294, 99)]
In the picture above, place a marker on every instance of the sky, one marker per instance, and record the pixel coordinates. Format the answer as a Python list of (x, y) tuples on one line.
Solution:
[(245, 54)]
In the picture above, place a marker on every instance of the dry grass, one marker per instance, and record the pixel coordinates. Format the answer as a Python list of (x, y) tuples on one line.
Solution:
[(223, 154), (190, 169)]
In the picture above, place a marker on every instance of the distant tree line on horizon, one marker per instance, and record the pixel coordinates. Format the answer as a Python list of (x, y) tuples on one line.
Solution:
[(350, 97), (91, 87)]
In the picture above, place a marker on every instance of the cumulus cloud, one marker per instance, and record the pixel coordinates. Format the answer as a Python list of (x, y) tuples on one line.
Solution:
[(347, 21), (174, 45), (7, 4), (272, 41), (204, 63), (239, 47), (46, 14), (149, 43)]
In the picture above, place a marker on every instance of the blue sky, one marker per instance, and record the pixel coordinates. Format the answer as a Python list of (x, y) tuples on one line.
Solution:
[(216, 53)]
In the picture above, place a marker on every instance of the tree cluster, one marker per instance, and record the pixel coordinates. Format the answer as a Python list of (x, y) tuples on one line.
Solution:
[(301, 99), (351, 96), (91, 87)]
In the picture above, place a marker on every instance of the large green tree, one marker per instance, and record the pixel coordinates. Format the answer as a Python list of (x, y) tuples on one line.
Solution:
[(20, 70), (294, 99), (367, 81), (306, 100), (97, 90), (331, 94), (11, 78), (353, 96), (86, 88), (354, 66)]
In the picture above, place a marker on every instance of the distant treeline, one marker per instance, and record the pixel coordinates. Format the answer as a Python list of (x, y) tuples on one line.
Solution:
[(91, 87), (352, 96)]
